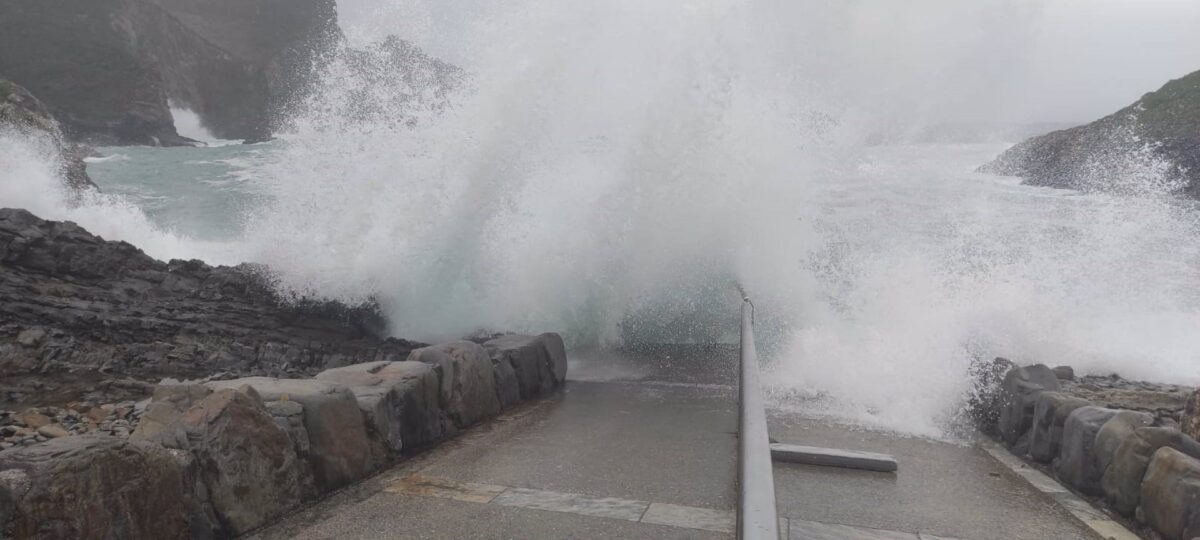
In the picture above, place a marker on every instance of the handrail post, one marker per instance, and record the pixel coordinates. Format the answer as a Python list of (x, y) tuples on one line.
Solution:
[(757, 518)]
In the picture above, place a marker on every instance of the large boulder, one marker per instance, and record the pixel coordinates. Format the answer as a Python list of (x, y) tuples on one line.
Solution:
[(539, 362), (1114, 432), (1076, 463), (1018, 397), (1190, 421), (399, 399), (339, 450), (1171, 495), (1122, 481), (246, 460), (169, 401), (1049, 414), (94, 487), (467, 385)]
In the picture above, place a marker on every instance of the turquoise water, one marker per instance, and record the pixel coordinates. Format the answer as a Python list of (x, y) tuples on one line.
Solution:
[(203, 193)]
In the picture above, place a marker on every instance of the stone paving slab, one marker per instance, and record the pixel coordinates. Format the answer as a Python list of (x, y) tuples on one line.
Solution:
[(815, 530), (606, 507), (691, 517)]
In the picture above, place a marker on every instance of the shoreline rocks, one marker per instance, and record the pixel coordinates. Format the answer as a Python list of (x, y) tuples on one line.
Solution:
[(82, 318), (1115, 440), (24, 114)]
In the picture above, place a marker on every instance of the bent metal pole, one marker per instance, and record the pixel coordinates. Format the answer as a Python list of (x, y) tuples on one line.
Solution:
[(757, 518)]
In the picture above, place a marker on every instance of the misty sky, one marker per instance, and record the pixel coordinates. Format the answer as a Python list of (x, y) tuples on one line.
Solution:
[(1060, 61)]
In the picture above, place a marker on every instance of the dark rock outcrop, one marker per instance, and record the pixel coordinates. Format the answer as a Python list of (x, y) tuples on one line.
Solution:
[(80, 316), (25, 115), (1049, 415), (1160, 131), (109, 68)]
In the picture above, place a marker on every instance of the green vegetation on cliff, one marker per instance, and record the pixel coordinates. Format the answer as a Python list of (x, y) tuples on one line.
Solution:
[(1150, 145)]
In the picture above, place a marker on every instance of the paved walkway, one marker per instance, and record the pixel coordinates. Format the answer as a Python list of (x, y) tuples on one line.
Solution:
[(655, 457)]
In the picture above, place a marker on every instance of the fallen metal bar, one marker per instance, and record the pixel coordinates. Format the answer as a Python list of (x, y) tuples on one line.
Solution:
[(757, 518), (831, 457)]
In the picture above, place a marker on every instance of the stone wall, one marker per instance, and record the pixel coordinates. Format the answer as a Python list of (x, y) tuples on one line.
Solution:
[(221, 458), (1118, 442)]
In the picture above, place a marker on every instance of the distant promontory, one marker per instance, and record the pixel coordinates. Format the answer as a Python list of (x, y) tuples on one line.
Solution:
[(1153, 142)]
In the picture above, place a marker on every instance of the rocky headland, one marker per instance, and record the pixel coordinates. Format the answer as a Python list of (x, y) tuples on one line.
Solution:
[(1130, 447), (110, 69), (1157, 136)]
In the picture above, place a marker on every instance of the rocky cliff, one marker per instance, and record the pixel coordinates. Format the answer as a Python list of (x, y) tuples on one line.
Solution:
[(24, 114), (1155, 140), (108, 69), (81, 317)]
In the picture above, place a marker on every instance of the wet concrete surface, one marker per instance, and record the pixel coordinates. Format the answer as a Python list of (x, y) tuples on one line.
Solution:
[(659, 428)]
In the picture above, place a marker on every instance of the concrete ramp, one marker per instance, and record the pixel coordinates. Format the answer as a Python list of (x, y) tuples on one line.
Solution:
[(654, 455)]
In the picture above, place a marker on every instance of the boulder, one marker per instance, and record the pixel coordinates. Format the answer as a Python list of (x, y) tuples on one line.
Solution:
[(984, 402), (339, 450), (1064, 373), (1076, 463), (168, 403), (1114, 432), (399, 399), (1171, 495), (1049, 414), (467, 385), (1190, 420), (1018, 396), (248, 462), (1122, 480), (540, 362), (95, 487), (508, 386)]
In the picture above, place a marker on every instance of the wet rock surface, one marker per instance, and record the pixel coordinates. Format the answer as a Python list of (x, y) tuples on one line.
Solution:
[(82, 318), (22, 113)]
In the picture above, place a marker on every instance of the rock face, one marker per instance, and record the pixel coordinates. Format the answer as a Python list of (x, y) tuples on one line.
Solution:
[(1171, 495), (1160, 131), (468, 385), (23, 113), (339, 449), (93, 487), (80, 316), (108, 68)]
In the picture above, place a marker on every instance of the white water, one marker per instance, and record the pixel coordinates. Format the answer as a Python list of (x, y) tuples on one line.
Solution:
[(188, 124), (614, 168)]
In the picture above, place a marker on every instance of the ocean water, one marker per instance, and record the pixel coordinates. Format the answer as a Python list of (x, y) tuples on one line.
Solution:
[(615, 171)]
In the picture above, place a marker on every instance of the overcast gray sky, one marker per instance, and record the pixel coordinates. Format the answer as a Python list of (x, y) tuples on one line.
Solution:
[(1067, 60)]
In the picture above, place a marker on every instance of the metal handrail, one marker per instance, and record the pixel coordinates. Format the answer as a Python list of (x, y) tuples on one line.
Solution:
[(757, 518)]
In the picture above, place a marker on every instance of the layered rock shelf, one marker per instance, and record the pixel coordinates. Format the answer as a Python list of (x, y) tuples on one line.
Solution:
[(260, 404), (1128, 446)]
